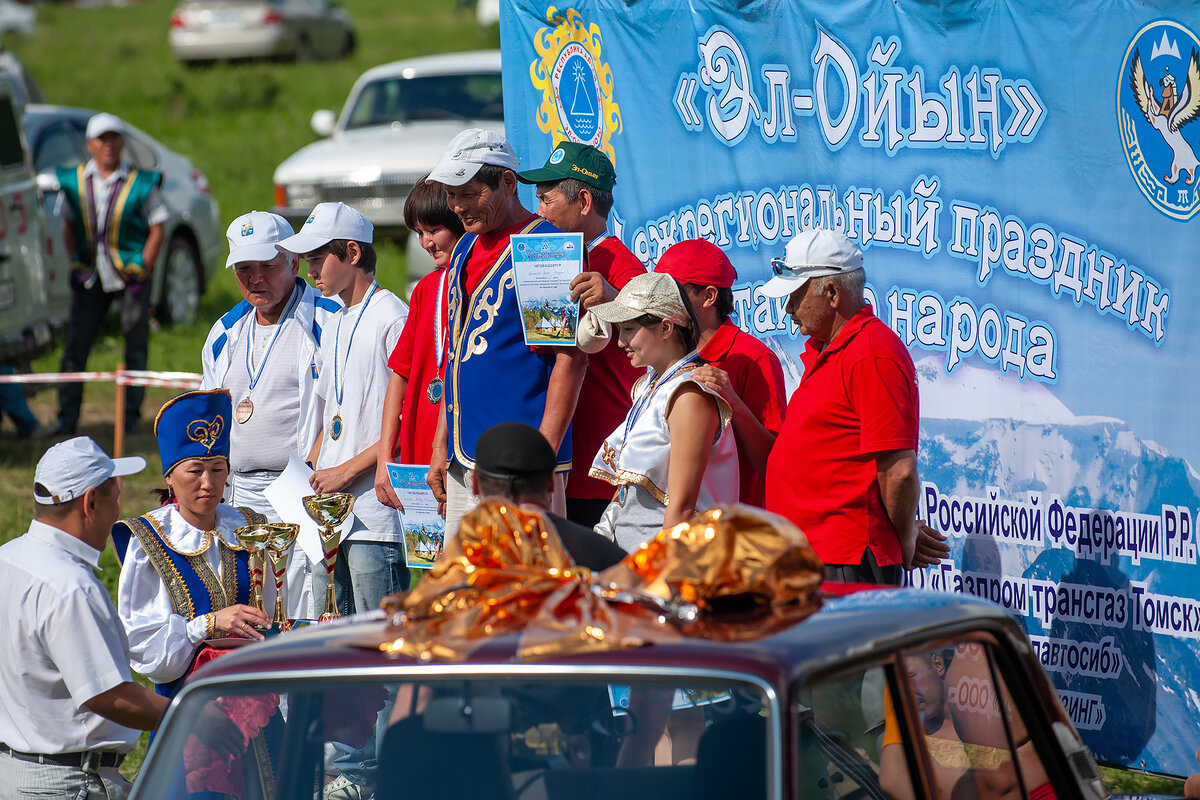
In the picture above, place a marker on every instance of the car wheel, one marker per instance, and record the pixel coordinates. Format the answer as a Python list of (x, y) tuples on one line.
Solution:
[(180, 299), (350, 43), (304, 51)]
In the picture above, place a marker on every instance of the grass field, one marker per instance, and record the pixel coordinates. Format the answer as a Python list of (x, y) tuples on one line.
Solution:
[(236, 123)]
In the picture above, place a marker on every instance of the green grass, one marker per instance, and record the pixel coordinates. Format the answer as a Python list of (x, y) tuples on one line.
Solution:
[(235, 123)]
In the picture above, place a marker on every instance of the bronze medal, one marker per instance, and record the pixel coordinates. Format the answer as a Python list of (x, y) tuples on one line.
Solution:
[(243, 410), (434, 391)]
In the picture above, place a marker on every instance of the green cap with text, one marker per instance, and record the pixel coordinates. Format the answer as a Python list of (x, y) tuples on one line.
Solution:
[(573, 160)]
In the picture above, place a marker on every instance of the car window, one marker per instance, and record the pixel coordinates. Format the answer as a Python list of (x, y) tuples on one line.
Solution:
[(58, 145), (11, 152), (972, 741), (552, 738), (140, 153), (462, 97)]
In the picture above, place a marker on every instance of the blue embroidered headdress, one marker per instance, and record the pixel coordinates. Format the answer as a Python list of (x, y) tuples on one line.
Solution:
[(194, 425)]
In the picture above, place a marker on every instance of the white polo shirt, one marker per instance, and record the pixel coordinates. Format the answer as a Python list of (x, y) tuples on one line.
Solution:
[(61, 644)]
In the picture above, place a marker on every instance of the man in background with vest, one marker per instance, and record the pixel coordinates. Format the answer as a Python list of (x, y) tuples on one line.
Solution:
[(113, 220)]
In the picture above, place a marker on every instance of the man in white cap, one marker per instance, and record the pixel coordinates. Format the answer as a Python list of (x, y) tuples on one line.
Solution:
[(844, 466), (336, 241), (69, 709), (492, 376), (266, 352), (113, 219)]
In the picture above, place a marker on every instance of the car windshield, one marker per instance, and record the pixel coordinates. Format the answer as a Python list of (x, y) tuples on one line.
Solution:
[(550, 737), (468, 96)]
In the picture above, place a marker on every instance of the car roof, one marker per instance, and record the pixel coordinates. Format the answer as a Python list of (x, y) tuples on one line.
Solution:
[(441, 64), (843, 630)]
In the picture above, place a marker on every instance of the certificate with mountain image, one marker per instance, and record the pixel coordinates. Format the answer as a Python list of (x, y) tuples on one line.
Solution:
[(544, 265), (424, 528)]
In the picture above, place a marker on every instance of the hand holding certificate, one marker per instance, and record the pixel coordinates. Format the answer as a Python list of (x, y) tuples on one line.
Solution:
[(544, 265), (424, 528)]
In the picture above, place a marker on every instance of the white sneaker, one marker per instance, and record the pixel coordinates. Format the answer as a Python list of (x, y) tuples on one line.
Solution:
[(342, 788)]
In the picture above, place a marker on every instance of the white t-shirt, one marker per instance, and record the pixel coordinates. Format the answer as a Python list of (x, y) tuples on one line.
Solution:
[(257, 443), (363, 375), (61, 644)]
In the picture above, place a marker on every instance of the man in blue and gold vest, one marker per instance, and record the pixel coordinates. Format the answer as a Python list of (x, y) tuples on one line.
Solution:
[(113, 230), (492, 376)]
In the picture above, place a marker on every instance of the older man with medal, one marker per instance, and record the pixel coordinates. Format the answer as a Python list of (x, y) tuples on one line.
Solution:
[(266, 352)]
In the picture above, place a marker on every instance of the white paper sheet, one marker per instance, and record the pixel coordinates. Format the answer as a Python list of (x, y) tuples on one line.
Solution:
[(287, 493)]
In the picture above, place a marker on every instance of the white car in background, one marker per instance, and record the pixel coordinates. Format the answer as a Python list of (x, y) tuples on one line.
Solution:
[(203, 31), (392, 131)]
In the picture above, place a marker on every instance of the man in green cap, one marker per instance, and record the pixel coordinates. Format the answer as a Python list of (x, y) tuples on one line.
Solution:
[(575, 193)]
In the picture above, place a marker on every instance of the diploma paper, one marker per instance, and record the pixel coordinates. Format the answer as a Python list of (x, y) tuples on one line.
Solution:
[(424, 528), (287, 493), (544, 265)]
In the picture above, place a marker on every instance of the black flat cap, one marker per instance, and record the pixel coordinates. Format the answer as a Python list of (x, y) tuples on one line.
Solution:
[(513, 449)]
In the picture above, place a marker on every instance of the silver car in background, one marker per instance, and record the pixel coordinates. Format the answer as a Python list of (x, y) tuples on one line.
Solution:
[(194, 237), (203, 31)]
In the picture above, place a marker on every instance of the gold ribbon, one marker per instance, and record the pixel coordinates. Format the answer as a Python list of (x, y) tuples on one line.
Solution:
[(730, 573)]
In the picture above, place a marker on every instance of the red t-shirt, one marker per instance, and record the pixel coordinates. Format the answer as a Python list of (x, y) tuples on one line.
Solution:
[(757, 376), (486, 250), (604, 398), (857, 398), (415, 359)]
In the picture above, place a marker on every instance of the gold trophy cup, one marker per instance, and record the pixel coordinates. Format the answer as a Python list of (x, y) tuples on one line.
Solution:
[(281, 539), (254, 539), (329, 511)]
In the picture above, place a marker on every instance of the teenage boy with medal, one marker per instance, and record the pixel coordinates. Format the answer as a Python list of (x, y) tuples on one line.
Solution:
[(353, 379), (266, 352), (410, 418)]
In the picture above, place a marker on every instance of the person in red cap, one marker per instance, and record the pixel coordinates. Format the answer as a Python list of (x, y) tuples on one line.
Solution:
[(740, 367), (575, 193)]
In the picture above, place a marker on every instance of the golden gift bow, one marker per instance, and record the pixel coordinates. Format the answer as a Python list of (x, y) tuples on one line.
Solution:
[(729, 573)]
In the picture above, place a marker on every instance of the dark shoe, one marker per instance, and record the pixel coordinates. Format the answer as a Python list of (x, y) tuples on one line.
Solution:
[(59, 428)]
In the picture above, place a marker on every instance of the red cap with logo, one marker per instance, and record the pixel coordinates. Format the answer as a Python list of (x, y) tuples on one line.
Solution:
[(697, 261)]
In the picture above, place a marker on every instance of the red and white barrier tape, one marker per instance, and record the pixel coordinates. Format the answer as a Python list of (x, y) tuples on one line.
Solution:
[(131, 377)]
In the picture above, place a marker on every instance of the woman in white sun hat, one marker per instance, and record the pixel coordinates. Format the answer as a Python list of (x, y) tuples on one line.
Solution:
[(675, 451)]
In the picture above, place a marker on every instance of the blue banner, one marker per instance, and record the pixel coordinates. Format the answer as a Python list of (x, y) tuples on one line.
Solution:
[(1022, 179)]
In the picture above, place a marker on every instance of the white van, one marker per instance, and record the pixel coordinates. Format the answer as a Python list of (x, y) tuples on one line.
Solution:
[(34, 292)]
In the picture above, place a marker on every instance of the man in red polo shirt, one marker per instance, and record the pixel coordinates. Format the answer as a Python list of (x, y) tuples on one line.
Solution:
[(739, 366), (844, 467), (575, 193)]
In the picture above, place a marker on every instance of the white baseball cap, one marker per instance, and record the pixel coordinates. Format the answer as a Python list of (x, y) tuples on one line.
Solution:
[(103, 123), (70, 468), (253, 236), (470, 150), (329, 221), (813, 253)]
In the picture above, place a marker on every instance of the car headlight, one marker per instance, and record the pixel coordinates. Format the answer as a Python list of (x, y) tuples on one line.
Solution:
[(302, 195)]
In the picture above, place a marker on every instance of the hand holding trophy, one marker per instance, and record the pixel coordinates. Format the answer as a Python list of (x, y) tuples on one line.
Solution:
[(281, 538), (254, 538), (329, 511)]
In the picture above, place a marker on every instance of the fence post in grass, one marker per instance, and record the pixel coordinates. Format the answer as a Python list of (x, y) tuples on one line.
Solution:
[(119, 414)]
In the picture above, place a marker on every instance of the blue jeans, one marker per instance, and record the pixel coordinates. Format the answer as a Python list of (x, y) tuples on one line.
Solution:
[(366, 572)]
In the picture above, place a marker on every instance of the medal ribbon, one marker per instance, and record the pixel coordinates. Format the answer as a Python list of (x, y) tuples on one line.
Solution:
[(594, 243), (439, 333), (254, 375), (644, 400), (338, 385)]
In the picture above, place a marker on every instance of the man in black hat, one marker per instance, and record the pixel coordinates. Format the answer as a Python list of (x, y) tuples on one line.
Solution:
[(513, 460)]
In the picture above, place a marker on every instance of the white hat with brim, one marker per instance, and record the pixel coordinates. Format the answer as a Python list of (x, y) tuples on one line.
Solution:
[(253, 236), (814, 253), (70, 468), (470, 150), (652, 293), (329, 221), (103, 123)]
